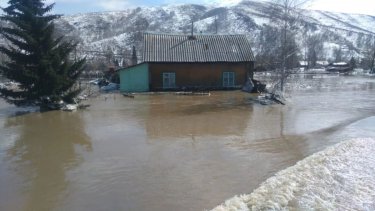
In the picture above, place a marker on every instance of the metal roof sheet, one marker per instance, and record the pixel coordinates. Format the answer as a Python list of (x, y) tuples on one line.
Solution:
[(199, 48)]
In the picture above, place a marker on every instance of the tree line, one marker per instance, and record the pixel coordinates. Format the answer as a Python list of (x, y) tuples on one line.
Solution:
[(289, 38)]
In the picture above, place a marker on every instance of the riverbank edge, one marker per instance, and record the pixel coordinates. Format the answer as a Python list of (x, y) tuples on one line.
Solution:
[(279, 191)]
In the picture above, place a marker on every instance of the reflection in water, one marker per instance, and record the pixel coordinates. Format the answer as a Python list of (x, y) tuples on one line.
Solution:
[(43, 153), (222, 114)]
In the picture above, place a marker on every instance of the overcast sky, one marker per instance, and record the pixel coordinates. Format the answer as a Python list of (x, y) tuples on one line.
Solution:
[(81, 6)]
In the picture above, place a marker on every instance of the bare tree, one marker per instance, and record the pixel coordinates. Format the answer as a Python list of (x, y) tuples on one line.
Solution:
[(268, 48), (368, 53), (315, 49), (372, 54), (286, 15), (338, 55), (109, 55)]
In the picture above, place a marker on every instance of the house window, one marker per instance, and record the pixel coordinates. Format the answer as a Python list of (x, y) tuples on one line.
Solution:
[(228, 79), (169, 80)]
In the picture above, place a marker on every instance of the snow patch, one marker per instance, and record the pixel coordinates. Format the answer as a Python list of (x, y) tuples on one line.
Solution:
[(340, 177)]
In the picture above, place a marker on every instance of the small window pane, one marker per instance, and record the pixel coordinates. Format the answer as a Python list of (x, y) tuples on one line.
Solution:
[(169, 80), (228, 79)]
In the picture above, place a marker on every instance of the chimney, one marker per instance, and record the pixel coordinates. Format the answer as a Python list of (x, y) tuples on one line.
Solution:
[(134, 59)]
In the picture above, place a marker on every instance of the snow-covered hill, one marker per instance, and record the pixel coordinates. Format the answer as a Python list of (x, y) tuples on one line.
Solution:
[(119, 31)]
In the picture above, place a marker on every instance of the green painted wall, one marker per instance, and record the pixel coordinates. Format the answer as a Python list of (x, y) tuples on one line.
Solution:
[(135, 79)]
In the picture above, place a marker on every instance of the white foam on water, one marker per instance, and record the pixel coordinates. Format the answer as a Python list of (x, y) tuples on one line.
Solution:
[(341, 177)]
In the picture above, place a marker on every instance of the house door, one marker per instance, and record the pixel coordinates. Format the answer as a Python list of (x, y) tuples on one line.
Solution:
[(228, 79), (169, 80)]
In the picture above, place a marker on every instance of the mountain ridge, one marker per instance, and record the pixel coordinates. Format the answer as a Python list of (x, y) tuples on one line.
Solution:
[(116, 32)]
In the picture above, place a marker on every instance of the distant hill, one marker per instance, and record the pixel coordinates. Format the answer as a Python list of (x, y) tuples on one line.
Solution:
[(117, 32)]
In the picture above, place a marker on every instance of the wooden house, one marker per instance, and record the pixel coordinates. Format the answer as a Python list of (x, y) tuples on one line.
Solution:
[(190, 62)]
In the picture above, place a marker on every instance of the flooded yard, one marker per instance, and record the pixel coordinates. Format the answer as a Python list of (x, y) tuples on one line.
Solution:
[(169, 152)]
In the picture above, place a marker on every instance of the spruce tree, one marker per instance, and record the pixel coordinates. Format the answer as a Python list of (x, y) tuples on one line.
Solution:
[(37, 59)]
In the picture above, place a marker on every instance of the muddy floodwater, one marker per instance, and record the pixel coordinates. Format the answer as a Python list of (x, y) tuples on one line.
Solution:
[(169, 152)]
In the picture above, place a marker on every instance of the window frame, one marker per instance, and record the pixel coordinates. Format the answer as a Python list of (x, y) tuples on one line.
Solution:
[(229, 79), (171, 83)]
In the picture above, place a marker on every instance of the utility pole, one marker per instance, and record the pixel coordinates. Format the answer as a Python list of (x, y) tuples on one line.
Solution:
[(372, 70), (216, 27), (192, 29), (285, 17)]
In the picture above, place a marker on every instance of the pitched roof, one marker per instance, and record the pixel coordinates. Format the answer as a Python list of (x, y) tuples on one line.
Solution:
[(199, 48)]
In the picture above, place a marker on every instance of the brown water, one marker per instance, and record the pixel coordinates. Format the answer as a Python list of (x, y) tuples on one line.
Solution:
[(168, 152)]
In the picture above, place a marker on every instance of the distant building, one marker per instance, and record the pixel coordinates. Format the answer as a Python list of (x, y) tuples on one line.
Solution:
[(321, 64), (340, 67), (303, 64), (318, 64), (187, 62)]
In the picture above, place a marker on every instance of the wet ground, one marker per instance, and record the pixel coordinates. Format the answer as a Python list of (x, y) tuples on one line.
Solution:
[(169, 152)]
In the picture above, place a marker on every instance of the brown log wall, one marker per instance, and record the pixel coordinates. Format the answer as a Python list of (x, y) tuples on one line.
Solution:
[(207, 76)]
